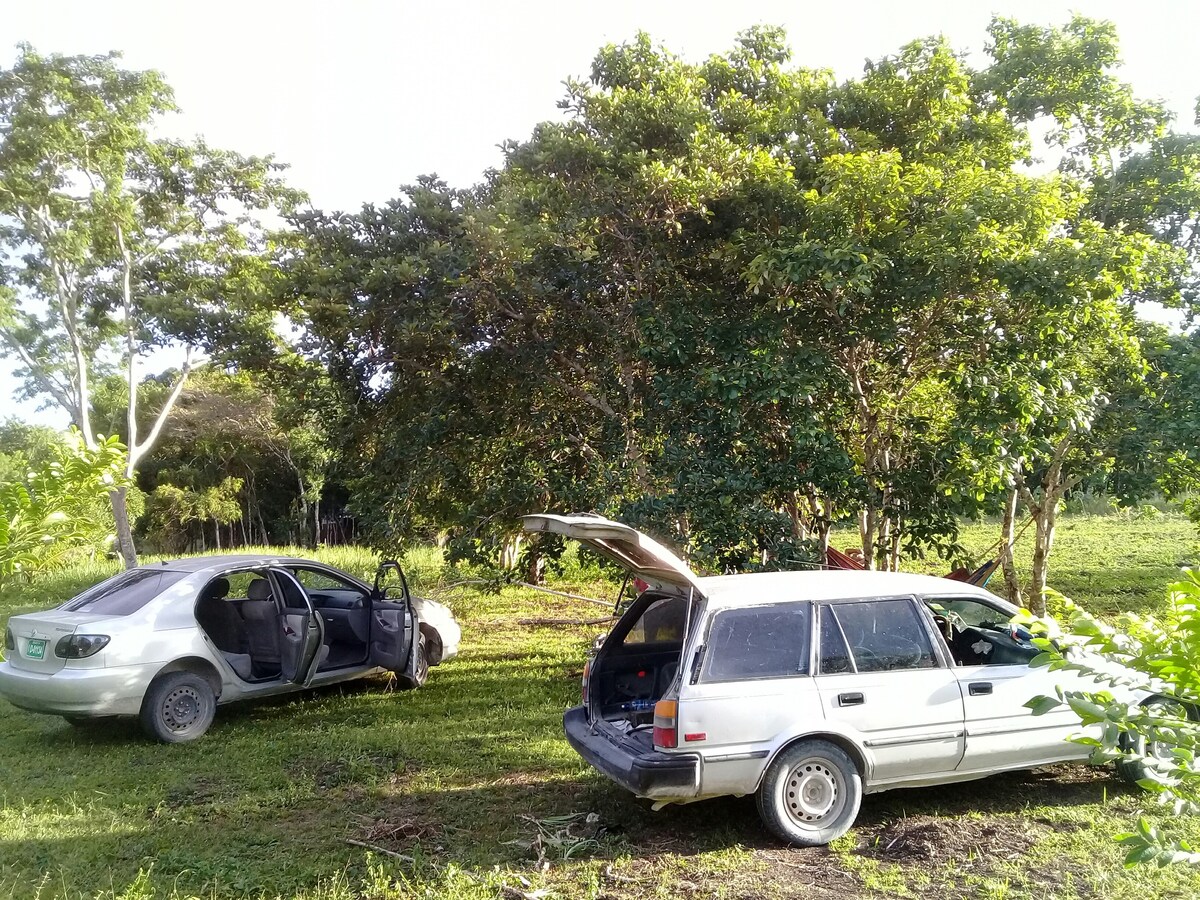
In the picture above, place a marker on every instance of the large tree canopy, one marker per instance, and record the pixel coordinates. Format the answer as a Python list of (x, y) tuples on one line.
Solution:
[(741, 300)]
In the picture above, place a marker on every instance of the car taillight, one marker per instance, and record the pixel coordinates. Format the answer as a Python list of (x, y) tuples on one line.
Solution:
[(9, 642), (79, 646), (583, 689), (666, 724)]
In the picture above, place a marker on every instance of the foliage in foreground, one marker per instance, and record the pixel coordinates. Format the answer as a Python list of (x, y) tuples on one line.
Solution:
[(1158, 739), (58, 506)]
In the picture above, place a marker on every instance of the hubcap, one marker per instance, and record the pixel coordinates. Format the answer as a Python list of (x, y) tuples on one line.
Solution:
[(182, 708), (813, 792)]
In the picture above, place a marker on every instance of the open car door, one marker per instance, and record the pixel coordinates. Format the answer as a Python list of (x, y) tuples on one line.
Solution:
[(638, 554), (393, 623), (302, 638)]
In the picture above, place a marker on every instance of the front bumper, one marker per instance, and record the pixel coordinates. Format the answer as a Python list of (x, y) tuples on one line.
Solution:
[(653, 774), (80, 692)]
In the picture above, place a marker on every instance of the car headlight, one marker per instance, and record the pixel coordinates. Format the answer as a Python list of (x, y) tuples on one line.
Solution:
[(78, 646)]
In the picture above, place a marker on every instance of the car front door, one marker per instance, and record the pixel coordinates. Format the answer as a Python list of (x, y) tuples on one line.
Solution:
[(302, 636), (997, 682), (392, 624), (880, 674)]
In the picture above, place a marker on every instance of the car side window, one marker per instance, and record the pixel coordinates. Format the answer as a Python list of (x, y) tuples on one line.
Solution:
[(885, 634), (979, 634), (835, 657), (662, 622), (757, 642), (313, 580)]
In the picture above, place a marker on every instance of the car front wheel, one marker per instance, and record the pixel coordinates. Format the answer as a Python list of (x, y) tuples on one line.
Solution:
[(810, 794), (1136, 770), (408, 681), (178, 707)]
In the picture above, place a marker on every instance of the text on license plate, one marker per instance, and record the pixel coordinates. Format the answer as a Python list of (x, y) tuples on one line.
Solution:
[(36, 649)]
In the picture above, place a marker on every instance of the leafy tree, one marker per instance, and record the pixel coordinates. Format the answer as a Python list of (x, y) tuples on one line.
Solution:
[(51, 510), (740, 300), (114, 242)]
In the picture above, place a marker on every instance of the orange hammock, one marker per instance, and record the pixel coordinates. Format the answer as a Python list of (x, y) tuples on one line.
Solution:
[(836, 559)]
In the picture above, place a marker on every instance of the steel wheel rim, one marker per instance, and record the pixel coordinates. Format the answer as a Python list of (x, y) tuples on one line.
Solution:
[(182, 708), (814, 792), (1161, 750)]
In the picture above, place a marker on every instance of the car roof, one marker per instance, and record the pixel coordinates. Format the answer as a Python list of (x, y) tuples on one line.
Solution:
[(221, 561), (834, 584)]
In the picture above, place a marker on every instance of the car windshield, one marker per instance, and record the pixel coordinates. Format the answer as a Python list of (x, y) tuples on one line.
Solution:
[(124, 593)]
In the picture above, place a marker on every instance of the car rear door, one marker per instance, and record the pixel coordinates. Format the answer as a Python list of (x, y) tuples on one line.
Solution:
[(393, 624), (302, 630), (880, 674)]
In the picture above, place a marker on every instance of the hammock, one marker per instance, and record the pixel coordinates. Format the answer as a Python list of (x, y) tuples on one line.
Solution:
[(836, 559)]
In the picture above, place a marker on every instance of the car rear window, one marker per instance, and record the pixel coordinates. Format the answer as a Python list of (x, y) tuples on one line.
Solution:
[(757, 642), (663, 622), (124, 593)]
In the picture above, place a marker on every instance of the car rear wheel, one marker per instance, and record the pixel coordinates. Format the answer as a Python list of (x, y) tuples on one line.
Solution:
[(1135, 770), (810, 794), (178, 707)]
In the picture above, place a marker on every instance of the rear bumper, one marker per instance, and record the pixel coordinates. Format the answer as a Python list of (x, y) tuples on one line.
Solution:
[(81, 692), (657, 775)]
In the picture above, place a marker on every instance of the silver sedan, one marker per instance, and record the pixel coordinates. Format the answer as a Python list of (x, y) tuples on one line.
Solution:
[(168, 642)]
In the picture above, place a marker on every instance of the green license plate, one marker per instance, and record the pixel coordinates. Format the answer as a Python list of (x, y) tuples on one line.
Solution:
[(36, 649)]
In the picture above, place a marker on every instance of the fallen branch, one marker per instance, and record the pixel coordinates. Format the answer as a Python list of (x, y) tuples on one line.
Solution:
[(534, 587), (581, 622)]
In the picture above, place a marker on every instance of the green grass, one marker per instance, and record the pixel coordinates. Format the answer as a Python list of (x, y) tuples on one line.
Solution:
[(458, 775)]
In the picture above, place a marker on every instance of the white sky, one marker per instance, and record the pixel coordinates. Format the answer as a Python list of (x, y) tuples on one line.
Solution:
[(362, 96)]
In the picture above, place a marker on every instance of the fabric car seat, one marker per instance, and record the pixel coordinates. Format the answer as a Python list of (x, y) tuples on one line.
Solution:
[(219, 619), (262, 621)]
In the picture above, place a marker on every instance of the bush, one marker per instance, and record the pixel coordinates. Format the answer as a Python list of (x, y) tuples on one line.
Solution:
[(1160, 656)]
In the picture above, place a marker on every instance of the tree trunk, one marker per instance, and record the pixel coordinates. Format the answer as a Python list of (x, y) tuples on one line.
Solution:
[(124, 533), (1044, 542), (1007, 539), (216, 532)]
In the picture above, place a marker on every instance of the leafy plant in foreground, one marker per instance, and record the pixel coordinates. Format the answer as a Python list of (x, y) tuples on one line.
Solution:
[(1154, 742)]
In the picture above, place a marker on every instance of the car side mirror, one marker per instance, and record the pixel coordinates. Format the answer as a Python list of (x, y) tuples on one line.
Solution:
[(380, 589)]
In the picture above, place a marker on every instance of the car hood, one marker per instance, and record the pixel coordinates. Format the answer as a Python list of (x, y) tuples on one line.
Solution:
[(634, 551)]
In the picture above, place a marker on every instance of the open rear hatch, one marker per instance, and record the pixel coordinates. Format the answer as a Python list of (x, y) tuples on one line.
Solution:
[(640, 660), (637, 553)]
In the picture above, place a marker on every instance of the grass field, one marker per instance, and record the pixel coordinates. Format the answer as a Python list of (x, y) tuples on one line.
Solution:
[(470, 781)]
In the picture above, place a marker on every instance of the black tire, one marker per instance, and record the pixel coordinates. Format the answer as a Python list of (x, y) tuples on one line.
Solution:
[(810, 794), (178, 707), (410, 681), (1133, 771)]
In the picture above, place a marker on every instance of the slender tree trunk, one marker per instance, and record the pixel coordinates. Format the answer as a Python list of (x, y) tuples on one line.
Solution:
[(216, 532), (1007, 539), (124, 533)]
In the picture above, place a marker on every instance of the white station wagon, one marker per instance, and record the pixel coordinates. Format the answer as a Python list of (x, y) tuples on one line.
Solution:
[(806, 689)]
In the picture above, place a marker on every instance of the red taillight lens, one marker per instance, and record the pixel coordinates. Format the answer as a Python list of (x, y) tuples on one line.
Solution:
[(666, 724), (583, 688)]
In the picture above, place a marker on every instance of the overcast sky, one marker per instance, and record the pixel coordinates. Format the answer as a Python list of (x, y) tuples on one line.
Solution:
[(361, 96)]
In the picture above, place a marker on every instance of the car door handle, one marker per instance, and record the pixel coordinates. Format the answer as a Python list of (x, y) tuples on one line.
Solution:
[(854, 699), (978, 688)]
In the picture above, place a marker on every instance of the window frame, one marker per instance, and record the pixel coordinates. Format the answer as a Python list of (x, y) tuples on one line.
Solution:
[(805, 655)]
